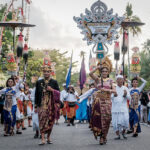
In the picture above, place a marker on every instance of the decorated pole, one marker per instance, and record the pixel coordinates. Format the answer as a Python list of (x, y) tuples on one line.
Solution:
[(99, 27), (116, 54), (135, 62), (125, 46)]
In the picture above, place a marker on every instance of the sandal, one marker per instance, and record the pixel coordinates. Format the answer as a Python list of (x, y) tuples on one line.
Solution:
[(105, 141), (101, 142), (11, 132), (49, 142), (135, 135), (41, 143), (5, 134)]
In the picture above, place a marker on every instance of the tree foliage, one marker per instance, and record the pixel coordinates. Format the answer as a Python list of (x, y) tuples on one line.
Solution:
[(61, 61), (130, 17), (7, 40), (145, 63)]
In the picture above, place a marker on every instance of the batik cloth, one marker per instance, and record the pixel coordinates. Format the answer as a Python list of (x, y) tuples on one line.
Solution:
[(46, 111), (101, 110), (134, 110)]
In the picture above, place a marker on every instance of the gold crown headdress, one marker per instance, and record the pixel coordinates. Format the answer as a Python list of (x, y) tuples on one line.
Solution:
[(46, 64), (106, 63)]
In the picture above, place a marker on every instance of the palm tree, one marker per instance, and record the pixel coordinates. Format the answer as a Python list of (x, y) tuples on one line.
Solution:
[(135, 30), (82, 53), (130, 17)]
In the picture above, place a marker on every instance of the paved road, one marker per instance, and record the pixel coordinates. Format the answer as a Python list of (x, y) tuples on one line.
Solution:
[(78, 137)]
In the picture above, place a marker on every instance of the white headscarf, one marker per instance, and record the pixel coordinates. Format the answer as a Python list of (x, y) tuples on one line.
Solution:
[(119, 76)]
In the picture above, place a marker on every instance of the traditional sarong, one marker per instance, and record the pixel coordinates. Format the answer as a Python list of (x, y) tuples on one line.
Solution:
[(46, 111), (64, 111), (20, 111), (71, 110), (29, 108), (134, 119), (25, 107), (10, 117), (101, 114)]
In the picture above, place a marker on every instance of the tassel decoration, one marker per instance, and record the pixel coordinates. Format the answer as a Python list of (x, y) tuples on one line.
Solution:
[(20, 45), (125, 44), (116, 51), (25, 53)]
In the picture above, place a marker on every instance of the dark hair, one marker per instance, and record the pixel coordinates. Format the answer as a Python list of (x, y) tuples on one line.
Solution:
[(107, 70), (135, 78), (91, 85), (68, 89), (8, 80)]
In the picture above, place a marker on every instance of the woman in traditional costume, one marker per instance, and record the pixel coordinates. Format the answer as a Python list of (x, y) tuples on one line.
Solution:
[(10, 106), (20, 111), (101, 109)]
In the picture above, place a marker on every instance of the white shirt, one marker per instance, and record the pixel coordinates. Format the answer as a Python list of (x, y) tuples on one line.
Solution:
[(119, 103), (20, 95), (71, 97), (63, 93), (14, 88), (33, 95)]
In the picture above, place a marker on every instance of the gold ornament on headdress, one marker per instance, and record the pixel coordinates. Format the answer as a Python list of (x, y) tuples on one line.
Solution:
[(106, 63), (46, 64)]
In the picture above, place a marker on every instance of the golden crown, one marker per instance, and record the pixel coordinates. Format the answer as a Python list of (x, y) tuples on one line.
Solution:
[(106, 63)]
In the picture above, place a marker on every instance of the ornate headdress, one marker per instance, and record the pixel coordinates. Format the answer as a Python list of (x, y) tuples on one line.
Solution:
[(106, 63), (46, 64)]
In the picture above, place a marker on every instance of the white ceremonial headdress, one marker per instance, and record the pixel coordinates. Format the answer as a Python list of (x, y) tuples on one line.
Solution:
[(119, 76), (71, 85), (64, 84)]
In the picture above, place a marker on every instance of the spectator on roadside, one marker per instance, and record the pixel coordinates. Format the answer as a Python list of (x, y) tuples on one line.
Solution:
[(144, 101), (2, 98), (148, 105)]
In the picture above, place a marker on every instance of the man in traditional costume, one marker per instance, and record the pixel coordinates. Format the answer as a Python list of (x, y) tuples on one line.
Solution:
[(120, 113), (46, 95), (71, 99), (101, 110)]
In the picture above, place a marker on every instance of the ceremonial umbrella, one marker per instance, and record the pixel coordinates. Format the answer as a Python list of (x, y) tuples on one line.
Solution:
[(125, 25), (14, 25)]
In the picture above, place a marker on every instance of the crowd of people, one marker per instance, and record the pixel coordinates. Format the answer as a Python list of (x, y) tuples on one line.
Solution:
[(121, 102)]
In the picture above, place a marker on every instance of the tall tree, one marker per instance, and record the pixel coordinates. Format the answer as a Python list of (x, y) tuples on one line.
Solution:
[(36, 60), (7, 38), (130, 17)]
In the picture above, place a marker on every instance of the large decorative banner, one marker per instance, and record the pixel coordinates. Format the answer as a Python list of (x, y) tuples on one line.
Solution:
[(99, 25), (135, 64)]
